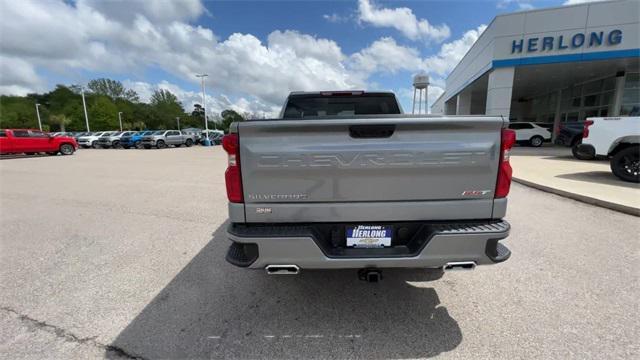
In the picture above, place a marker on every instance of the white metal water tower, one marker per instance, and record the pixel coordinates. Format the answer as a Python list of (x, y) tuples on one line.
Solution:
[(420, 82)]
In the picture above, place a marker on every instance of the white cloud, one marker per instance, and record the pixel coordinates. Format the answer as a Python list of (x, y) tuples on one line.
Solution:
[(157, 11), (521, 4), (17, 77), (452, 52), (336, 18), (215, 103), (76, 39), (305, 46), (386, 55), (403, 20)]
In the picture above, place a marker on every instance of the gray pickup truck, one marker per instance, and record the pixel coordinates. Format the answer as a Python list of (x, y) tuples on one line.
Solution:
[(163, 138), (344, 180)]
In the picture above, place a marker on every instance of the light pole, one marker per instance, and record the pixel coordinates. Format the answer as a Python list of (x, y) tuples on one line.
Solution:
[(38, 113), (84, 105), (178, 121), (120, 119), (206, 141)]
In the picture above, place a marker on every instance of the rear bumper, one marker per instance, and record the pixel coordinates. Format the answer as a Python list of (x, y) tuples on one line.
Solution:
[(319, 246)]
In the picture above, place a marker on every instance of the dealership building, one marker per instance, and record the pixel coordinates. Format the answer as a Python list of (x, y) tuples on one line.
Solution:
[(551, 65)]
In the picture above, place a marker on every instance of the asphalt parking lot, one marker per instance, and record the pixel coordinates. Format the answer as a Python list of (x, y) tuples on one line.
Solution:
[(120, 254)]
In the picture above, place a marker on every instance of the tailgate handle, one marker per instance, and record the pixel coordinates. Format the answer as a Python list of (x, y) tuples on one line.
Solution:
[(371, 131)]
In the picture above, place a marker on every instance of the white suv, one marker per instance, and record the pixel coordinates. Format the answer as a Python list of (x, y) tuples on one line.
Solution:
[(530, 133)]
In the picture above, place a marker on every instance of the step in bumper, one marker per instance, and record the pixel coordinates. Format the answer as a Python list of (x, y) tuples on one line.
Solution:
[(259, 245)]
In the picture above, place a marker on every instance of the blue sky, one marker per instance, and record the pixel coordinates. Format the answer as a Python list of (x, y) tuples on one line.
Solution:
[(255, 51)]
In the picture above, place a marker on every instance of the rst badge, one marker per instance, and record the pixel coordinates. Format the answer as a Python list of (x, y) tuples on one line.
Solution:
[(475, 192)]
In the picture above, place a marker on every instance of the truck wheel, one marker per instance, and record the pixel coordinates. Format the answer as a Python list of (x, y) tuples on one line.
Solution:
[(137, 145), (189, 143), (67, 149), (626, 164), (161, 144), (536, 141), (581, 155)]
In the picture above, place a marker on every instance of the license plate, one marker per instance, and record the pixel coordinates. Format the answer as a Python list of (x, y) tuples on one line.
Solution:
[(369, 236)]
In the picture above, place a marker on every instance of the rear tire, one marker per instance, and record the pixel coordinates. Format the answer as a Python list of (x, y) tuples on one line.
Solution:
[(581, 155), (625, 164), (67, 149), (94, 145), (161, 144), (137, 145), (189, 143), (536, 141), (116, 144)]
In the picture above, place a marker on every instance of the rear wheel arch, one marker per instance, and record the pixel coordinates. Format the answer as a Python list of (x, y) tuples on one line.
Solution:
[(623, 143)]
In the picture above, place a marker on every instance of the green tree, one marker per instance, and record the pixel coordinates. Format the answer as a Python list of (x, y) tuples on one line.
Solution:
[(17, 112), (60, 120), (227, 117), (166, 108), (103, 113), (113, 89)]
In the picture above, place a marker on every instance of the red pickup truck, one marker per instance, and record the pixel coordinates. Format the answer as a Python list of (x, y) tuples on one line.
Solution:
[(16, 141)]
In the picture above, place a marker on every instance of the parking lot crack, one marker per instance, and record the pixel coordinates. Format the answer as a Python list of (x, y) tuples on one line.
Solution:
[(69, 336)]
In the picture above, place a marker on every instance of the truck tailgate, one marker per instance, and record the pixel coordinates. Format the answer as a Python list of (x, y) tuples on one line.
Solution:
[(369, 168)]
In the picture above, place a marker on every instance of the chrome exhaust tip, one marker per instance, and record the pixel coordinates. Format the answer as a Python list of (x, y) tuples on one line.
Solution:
[(282, 269), (459, 265)]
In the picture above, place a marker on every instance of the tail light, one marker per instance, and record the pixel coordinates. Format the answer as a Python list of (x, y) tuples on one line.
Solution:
[(585, 129), (232, 177), (503, 184)]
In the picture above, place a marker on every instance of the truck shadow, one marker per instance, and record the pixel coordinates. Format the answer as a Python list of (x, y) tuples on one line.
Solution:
[(600, 177), (214, 310)]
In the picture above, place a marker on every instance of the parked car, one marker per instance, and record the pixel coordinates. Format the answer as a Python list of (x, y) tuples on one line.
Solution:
[(63, 133), (134, 140), (365, 191), (617, 138), (196, 132), (112, 139), (210, 134), (530, 133), (15, 141), (88, 141), (163, 138), (79, 134), (569, 134), (216, 139)]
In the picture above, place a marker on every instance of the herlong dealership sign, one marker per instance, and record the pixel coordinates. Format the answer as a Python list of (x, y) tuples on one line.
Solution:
[(578, 40)]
